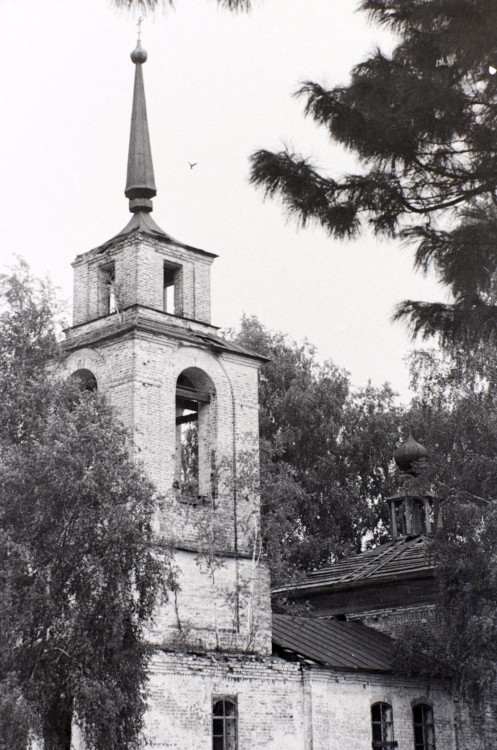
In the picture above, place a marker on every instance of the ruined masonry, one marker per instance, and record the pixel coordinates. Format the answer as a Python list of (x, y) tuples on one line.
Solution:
[(222, 676)]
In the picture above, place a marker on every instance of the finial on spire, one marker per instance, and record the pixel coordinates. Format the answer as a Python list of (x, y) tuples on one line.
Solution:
[(140, 183)]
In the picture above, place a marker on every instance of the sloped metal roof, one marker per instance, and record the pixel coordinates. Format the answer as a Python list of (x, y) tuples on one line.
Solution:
[(220, 344), (144, 223), (402, 558), (332, 643)]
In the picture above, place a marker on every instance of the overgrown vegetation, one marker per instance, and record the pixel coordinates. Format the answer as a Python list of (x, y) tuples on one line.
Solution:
[(78, 574), (326, 454), (326, 467)]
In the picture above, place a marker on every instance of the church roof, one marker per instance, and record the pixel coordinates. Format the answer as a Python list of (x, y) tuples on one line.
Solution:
[(402, 558), (333, 643), (144, 223)]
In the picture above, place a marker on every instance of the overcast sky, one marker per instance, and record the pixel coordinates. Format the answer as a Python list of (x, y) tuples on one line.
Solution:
[(218, 86)]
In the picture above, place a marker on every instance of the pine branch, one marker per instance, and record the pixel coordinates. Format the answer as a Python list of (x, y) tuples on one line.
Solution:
[(461, 323)]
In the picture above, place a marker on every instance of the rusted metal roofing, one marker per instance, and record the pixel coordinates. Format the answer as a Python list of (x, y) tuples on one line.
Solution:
[(332, 643), (403, 558)]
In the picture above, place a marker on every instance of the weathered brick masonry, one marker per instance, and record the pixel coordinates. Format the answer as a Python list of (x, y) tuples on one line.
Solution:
[(282, 705), (142, 333), (136, 355)]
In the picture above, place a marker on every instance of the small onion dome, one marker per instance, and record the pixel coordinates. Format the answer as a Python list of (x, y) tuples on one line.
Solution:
[(138, 55), (408, 453)]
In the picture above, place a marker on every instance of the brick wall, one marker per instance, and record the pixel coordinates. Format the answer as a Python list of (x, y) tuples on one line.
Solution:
[(283, 706), (222, 605), (223, 600), (139, 278), (393, 620)]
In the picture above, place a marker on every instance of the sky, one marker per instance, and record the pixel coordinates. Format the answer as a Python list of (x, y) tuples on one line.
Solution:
[(219, 85)]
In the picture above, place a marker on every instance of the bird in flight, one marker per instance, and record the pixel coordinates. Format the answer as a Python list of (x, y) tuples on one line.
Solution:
[(192, 164)]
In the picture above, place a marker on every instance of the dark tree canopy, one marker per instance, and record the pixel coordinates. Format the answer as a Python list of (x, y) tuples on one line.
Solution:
[(465, 259), (78, 573), (423, 123), (326, 454), (454, 411), (326, 468)]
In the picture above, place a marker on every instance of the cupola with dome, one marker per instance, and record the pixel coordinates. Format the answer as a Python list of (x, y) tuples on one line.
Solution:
[(413, 510)]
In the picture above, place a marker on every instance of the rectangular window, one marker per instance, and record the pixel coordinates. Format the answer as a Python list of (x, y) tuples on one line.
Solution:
[(172, 291), (224, 723), (108, 286)]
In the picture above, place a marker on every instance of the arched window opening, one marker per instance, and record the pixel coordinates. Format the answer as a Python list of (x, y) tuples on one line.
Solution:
[(382, 726), (424, 728), (224, 724), (85, 379), (195, 436)]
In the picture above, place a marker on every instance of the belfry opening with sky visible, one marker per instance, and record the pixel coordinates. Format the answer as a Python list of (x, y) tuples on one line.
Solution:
[(226, 674)]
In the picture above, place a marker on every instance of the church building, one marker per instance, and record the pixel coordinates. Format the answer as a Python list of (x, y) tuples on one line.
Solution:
[(226, 674)]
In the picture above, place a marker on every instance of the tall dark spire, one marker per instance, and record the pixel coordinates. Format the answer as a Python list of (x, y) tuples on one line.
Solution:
[(140, 182)]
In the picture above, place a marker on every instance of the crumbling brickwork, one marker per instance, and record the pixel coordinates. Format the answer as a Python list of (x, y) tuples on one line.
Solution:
[(283, 705), (213, 637), (137, 354)]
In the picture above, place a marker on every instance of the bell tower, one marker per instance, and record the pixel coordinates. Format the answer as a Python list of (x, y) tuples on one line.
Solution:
[(142, 335)]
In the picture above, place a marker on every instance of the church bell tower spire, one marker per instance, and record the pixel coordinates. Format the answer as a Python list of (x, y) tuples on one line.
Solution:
[(140, 182)]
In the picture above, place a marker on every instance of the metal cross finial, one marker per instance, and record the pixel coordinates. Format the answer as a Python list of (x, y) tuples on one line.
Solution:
[(139, 25)]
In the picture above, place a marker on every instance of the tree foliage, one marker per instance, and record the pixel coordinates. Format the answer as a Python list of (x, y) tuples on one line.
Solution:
[(326, 453), (150, 5), (465, 260), (326, 466), (78, 575), (455, 411), (423, 124)]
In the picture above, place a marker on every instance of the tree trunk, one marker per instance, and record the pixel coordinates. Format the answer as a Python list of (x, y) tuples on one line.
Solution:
[(57, 726)]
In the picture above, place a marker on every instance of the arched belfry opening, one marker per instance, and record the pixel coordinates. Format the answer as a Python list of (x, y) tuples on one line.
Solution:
[(195, 466), (85, 379)]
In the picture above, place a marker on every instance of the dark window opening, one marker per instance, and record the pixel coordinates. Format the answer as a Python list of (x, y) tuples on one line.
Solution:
[(85, 379), (424, 729), (191, 403), (420, 522), (413, 516), (108, 275), (224, 724), (382, 726), (171, 289)]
